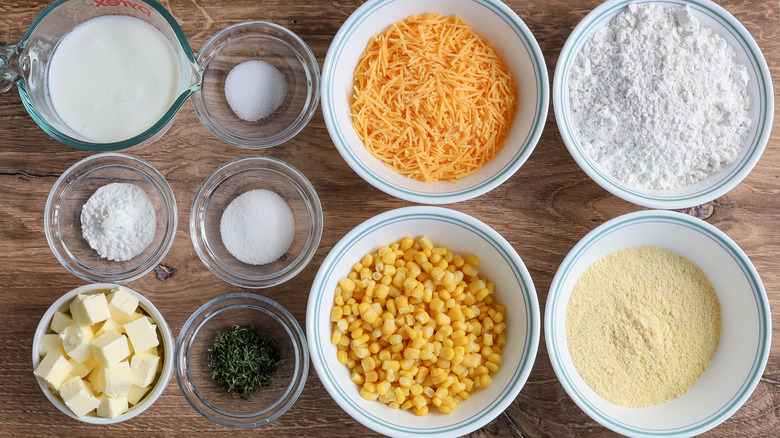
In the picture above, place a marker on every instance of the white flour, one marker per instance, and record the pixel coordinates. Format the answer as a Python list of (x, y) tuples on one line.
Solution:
[(118, 221), (659, 100)]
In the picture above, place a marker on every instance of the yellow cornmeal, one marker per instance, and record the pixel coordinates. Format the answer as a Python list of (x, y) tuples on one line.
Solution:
[(642, 325)]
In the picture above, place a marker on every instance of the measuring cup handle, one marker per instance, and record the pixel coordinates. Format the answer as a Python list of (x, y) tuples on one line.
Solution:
[(9, 67)]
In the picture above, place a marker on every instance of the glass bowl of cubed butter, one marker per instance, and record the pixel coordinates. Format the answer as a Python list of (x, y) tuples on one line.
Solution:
[(102, 353)]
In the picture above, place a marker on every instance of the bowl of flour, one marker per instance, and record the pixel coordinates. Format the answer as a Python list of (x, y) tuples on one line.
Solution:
[(664, 104), (110, 218)]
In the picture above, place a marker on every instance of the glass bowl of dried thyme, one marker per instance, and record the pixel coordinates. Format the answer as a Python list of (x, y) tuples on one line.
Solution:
[(241, 360)]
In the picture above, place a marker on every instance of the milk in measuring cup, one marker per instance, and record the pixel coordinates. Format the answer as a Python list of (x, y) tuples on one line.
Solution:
[(112, 77)]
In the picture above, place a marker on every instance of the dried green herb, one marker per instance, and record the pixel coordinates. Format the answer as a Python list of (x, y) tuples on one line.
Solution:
[(243, 360)]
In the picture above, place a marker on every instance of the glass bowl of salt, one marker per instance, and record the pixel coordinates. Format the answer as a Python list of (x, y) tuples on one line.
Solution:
[(256, 222), (261, 85), (110, 218)]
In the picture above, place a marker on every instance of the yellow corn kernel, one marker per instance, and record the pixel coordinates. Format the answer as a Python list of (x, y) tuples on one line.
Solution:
[(388, 327), (357, 378), (425, 243), (484, 381), (368, 363), (362, 352), (400, 397), (446, 353), (344, 341), (421, 411), (336, 313), (335, 337), (471, 360), (384, 387), (368, 395), (342, 356), (436, 401), (482, 294), (442, 319), (419, 401), (411, 353), (420, 258), (493, 367), (346, 285)]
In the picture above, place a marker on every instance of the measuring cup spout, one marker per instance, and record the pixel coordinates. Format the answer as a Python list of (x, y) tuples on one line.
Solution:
[(9, 67)]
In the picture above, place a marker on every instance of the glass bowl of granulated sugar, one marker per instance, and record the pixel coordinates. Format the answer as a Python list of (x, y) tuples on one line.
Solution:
[(664, 104), (110, 218), (261, 85), (256, 222)]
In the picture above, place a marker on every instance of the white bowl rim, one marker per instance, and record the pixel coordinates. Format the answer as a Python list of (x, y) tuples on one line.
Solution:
[(532, 317), (457, 194), (660, 200), (167, 343), (166, 193), (739, 256)]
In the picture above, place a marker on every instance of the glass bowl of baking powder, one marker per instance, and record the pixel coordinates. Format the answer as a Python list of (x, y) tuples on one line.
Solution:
[(664, 104), (110, 218)]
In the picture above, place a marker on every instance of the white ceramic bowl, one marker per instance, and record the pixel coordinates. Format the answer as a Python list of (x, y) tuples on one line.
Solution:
[(745, 336), (499, 262), (167, 345), (760, 87), (490, 19)]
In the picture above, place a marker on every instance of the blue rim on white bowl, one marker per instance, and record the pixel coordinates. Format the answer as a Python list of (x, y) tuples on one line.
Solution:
[(760, 87), (490, 19), (745, 337), (463, 235)]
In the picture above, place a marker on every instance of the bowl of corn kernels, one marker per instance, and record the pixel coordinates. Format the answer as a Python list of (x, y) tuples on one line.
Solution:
[(423, 321)]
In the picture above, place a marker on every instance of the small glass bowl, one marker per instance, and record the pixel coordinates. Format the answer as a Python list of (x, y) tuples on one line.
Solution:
[(257, 40), (62, 216), (235, 178), (194, 376)]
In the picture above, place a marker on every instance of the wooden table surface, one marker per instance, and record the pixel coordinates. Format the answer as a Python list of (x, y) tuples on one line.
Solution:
[(543, 210)]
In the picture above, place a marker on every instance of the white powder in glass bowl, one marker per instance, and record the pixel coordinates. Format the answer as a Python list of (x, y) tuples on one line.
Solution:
[(257, 227)]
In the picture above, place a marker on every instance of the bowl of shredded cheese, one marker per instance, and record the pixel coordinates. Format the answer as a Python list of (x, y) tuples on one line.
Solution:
[(636, 114), (657, 323), (434, 101), (433, 327)]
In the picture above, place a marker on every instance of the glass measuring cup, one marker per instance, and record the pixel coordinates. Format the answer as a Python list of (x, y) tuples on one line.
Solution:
[(26, 65)]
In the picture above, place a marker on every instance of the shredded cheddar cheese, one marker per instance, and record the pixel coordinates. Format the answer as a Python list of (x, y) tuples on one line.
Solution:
[(432, 100)]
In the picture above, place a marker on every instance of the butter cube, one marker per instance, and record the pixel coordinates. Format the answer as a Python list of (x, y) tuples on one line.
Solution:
[(91, 309), (78, 396), (59, 321), (54, 369), (50, 343), (110, 348), (72, 387), (136, 393), (112, 407), (143, 367), (109, 325), (118, 379), (76, 339), (82, 370), (142, 334), (122, 305), (136, 315), (97, 379)]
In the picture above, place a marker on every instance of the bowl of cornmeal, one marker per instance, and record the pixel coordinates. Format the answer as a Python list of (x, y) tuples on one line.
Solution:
[(664, 104), (657, 323)]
